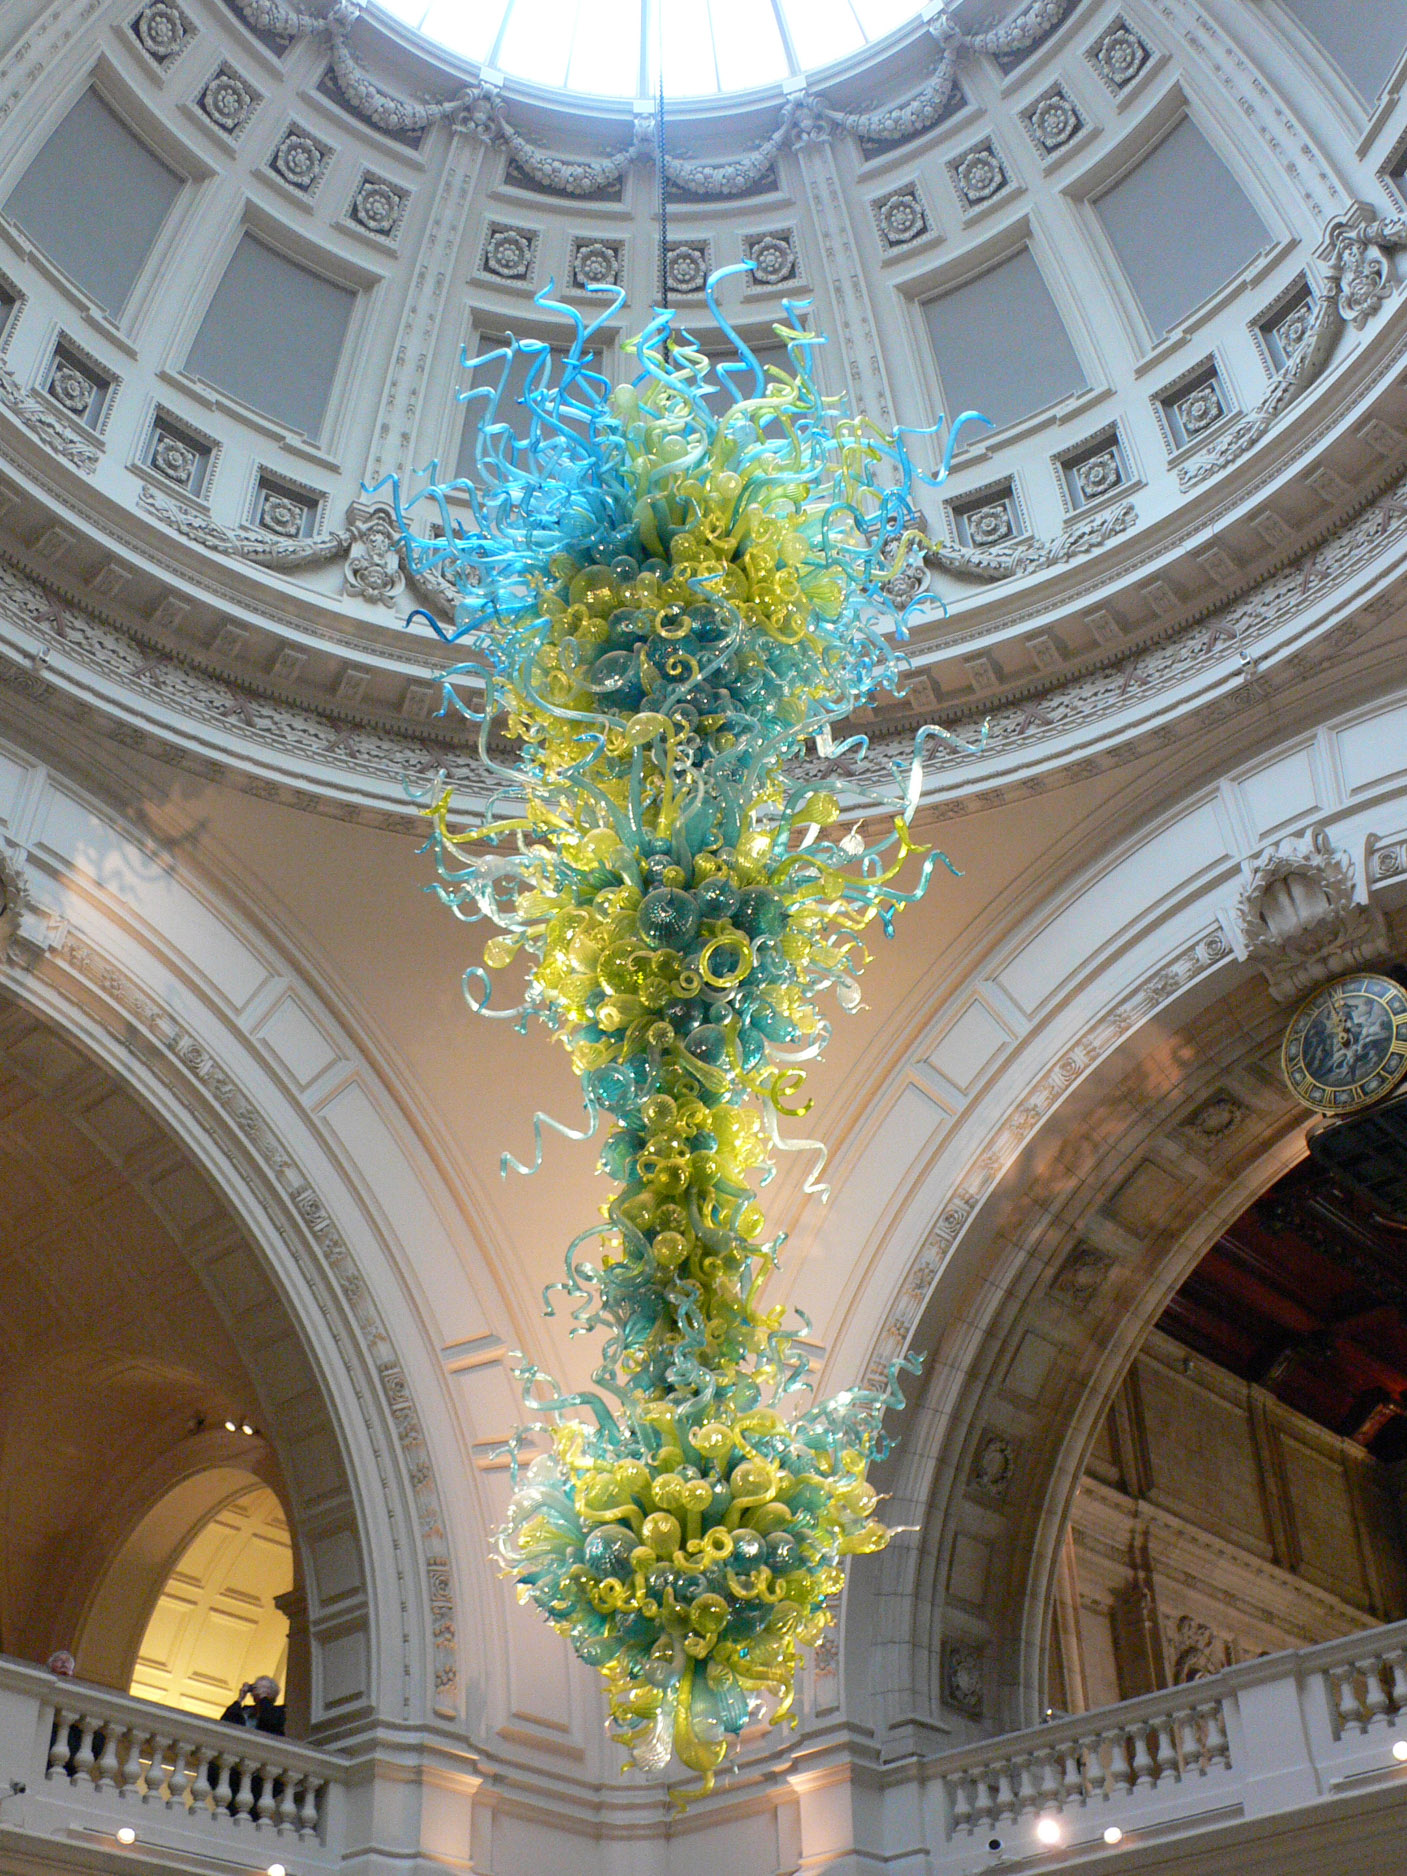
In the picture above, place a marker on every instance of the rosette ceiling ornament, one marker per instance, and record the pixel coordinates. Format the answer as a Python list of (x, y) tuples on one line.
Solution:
[(669, 588)]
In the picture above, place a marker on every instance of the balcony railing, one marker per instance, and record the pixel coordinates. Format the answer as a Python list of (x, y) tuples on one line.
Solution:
[(1265, 1737), (85, 1761), (1291, 1733)]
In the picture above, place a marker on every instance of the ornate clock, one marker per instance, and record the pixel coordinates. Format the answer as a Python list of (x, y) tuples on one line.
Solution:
[(1347, 1043)]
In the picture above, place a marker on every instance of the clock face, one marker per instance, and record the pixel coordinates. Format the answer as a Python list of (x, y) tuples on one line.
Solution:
[(1347, 1044)]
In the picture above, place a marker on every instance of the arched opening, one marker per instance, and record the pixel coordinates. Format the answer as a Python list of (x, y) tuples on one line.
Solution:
[(221, 1618), (150, 1522), (1243, 1494)]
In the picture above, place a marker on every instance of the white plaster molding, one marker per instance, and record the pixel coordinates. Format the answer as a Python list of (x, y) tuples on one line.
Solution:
[(1299, 917)]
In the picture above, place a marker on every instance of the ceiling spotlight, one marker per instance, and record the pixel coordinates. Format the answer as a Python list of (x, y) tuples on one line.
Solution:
[(1399, 1749), (1113, 1834), (126, 1834), (1048, 1830), (231, 1426), (277, 1869), (246, 1429)]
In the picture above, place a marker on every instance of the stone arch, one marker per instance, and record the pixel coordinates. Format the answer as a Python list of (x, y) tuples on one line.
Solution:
[(1071, 1066), (148, 975)]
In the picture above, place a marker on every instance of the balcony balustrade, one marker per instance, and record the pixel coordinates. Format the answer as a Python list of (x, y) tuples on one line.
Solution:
[(85, 1762)]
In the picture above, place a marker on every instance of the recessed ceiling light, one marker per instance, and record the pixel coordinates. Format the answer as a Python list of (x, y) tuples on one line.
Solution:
[(277, 1869), (1113, 1834), (1048, 1830), (1399, 1749), (126, 1834), (231, 1426)]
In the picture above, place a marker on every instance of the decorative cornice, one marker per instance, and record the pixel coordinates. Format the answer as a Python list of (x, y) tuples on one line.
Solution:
[(230, 720)]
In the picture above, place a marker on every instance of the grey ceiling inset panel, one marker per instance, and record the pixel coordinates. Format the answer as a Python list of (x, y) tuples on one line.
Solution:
[(1000, 344), (94, 199), (1365, 38), (272, 336), (508, 410), (1180, 225)]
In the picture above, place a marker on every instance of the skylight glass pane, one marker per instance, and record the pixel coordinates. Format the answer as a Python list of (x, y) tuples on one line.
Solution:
[(605, 48), (750, 49), (471, 30), (822, 30), (606, 51), (538, 38), (689, 65), (879, 17)]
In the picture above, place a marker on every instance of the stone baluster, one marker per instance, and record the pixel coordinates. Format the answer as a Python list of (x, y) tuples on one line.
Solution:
[(109, 1767), (308, 1810), (1218, 1745), (1049, 1788), (1189, 1742), (82, 1766), (960, 1803), (1072, 1783), (1006, 1797), (1398, 1664), (156, 1770), (1091, 1749), (58, 1748), (220, 1797), (244, 1798), (1143, 1770), (200, 1782), (264, 1807), (1375, 1703), (1025, 1784), (180, 1776), (288, 1806), (1350, 1707), (1120, 1777), (1165, 1758), (132, 1766)]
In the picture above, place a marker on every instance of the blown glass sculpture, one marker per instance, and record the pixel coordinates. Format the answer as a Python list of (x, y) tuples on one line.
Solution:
[(669, 588)]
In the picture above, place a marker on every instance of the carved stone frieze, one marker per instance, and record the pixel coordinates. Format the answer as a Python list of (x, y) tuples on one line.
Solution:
[(1034, 553), (1299, 920), (218, 711)]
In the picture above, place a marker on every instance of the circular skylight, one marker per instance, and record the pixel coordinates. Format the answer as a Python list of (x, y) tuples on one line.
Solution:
[(606, 48)]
